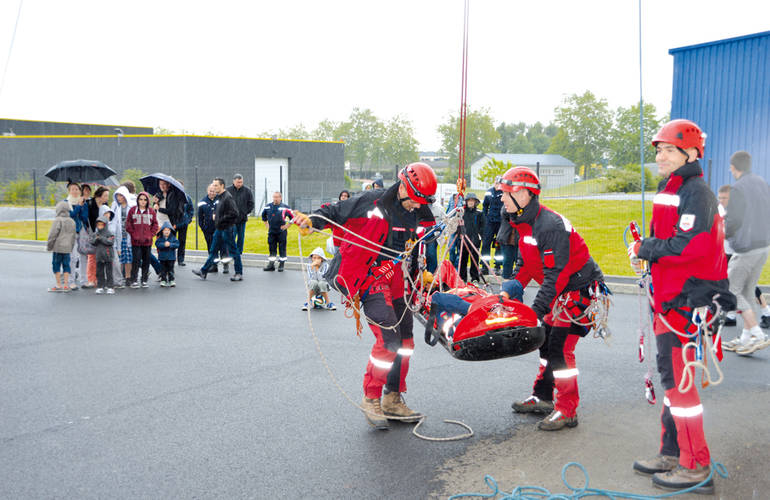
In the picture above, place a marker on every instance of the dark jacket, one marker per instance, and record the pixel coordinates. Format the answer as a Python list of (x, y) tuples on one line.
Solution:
[(166, 252), (141, 225), (226, 211), (506, 235), (103, 241), (206, 208), (245, 201), (493, 203), (553, 254), (686, 243), (175, 201), (378, 216), (276, 215), (747, 223), (93, 212), (189, 212), (473, 220)]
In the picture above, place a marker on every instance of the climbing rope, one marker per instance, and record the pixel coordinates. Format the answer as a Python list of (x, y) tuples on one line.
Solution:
[(334, 380), (540, 493)]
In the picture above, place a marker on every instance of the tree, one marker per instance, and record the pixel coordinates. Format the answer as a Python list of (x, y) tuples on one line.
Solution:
[(480, 137), (624, 137), (133, 175), (584, 123), (297, 132), (628, 179), (492, 168), (365, 138), (399, 144)]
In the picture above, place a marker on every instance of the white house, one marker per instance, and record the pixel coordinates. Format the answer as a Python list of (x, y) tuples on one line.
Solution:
[(554, 170)]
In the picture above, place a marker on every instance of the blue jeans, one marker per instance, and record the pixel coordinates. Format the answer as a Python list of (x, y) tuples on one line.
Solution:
[(240, 232), (454, 251), (224, 240), (509, 259), (431, 256), (155, 263)]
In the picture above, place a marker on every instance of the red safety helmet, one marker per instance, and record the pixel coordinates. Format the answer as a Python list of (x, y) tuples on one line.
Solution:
[(420, 182), (682, 134), (517, 178)]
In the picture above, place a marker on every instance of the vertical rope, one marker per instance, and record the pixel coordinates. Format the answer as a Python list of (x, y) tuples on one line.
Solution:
[(10, 48), (463, 104), (641, 120)]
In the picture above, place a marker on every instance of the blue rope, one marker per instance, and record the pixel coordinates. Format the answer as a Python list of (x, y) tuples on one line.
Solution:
[(538, 493)]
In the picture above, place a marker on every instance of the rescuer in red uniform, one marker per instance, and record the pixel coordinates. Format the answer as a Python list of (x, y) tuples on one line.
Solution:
[(555, 256), (689, 269), (390, 217)]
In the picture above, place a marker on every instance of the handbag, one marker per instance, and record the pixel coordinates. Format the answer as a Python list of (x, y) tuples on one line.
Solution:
[(84, 243)]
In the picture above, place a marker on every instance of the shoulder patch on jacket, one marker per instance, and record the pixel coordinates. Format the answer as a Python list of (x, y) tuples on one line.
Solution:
[(687, 222)]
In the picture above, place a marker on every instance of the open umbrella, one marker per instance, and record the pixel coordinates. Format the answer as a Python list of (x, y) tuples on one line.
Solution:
[(80, 171), (150, 182)]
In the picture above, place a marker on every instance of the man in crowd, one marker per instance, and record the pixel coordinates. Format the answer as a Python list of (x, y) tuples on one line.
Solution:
[(245, 200), (275, 216), (747, 229), (181, 228), (493, 205), (206, 208), (225, 216)]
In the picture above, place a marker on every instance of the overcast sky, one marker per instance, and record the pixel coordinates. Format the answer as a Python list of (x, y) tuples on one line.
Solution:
[(240, 68)]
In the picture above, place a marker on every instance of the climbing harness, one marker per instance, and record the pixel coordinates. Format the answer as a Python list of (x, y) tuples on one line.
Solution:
[(590, 312)]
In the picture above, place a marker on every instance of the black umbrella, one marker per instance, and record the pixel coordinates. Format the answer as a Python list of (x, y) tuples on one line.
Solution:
[(80, 171), (150, 182)]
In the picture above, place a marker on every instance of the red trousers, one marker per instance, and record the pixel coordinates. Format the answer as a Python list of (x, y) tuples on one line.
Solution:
[(394, 344), (682, 416)]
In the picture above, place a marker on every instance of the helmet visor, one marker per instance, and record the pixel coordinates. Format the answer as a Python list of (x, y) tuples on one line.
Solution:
[(519, 184)]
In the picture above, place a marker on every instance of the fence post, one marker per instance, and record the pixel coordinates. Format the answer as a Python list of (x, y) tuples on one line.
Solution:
[(195, 201), (34, 197), (709, 174)]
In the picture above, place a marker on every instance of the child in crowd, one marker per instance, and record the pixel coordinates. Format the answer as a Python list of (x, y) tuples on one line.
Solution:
[(141, 225), (315, 279), (61, 240), (123, 200), (103, 241), (166, 243)]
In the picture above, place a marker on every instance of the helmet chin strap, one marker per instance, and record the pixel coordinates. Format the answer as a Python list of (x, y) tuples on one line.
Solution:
[(519, 209)]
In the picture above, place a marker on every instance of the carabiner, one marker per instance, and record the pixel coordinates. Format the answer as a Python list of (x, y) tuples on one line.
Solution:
[(641, 347), (649, 390)]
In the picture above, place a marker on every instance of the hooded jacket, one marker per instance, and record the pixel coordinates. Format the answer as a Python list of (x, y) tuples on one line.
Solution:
[(175, 202), (244, 199), (189, 211), (166, 252), (61, 237), (121, 213), (317, 274), (206, 209), (103, 241), (473, 220), (141, 224), (493, 203)]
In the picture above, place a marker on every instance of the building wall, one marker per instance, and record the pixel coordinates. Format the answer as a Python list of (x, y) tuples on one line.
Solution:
[(724, 87), (551, 176), (30, 127), (316, 169)]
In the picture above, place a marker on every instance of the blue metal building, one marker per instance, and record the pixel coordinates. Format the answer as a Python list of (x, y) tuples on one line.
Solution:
[(724, 86)]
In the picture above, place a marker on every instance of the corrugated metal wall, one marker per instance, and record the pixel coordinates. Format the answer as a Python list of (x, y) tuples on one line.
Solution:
[(724, 87)]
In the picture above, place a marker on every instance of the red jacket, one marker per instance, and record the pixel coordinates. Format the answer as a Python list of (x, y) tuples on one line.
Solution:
[(686, 243), (142, 225), (377, 216), (553, 254)]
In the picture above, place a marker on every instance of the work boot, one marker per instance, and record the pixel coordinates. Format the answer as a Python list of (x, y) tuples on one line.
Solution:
[(280, 266), (658, 463), (556, 421), (373, 414), (270, 266), (393, 406), (681, 478), (532, 404)]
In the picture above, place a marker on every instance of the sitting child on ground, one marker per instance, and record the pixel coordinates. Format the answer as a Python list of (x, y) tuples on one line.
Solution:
[(103, 241), (316, 283), (166, 243), (61, 240)]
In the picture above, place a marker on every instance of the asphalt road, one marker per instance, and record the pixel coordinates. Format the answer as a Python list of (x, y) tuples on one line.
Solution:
[(215, 390)]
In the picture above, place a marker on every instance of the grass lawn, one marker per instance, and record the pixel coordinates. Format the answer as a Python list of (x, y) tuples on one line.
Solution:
[(600, 222)]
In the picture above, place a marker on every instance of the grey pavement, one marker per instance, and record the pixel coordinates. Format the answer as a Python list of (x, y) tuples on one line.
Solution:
[(214, 389)]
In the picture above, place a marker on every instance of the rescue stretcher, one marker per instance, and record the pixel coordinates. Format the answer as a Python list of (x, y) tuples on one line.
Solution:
[(493, 328)]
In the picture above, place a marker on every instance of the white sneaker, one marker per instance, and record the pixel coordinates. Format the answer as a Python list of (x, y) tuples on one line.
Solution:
[(754, 344), (226, 260), (101, 291), (110, 291), (731, 345)]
